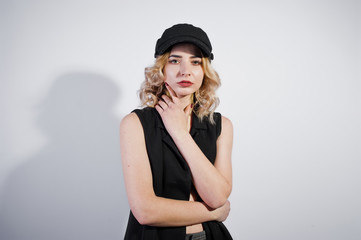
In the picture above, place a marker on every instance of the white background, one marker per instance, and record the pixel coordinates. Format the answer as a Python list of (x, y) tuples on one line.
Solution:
[(290, 70)]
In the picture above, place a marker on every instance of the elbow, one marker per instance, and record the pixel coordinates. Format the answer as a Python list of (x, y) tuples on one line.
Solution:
[(217, 203), (143, 219), (144, 213), (218, 200)]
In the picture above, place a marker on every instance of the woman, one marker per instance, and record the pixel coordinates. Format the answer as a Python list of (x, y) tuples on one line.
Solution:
[(176, 152)]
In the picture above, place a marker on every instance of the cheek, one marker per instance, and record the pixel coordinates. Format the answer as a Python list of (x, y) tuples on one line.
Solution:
[(199, 75), (168, 73)]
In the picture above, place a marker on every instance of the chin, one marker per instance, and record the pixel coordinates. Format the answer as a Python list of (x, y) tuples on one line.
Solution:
[(185, 92)]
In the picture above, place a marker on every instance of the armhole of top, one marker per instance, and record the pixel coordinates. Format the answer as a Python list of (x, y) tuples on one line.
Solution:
[(140, 116), (218, 120)]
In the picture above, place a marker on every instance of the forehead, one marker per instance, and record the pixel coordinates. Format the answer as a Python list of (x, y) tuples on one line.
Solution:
[(186, 48)]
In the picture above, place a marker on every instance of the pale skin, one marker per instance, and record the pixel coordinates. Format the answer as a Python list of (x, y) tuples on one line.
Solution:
[(213, 183)]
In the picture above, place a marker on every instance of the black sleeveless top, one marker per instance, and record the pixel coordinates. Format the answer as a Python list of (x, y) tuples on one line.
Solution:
[(171, 174)]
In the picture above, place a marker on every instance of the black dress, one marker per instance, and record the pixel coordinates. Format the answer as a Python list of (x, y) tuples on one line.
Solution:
[(171, 174)]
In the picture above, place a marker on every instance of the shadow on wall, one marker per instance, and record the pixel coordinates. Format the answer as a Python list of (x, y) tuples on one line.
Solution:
[(73, 188)]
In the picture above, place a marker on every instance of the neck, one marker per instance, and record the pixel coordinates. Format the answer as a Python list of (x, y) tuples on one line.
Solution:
[(185, 101)]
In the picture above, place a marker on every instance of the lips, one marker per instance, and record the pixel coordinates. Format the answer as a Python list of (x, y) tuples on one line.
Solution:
[(185, 83)]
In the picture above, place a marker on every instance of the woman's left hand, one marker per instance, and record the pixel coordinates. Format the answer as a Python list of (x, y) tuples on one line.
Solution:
[(175, 117)]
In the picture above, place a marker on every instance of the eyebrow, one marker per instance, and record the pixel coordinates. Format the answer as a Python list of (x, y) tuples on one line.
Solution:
[(178, 56)]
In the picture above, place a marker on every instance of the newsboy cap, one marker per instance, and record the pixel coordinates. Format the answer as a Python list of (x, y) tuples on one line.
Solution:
[(184, 33)]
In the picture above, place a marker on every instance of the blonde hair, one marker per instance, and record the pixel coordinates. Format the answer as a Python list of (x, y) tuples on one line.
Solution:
[(205, 100)]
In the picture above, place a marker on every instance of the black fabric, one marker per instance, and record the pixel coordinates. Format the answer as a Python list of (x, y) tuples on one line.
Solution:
[(196, 236), (171, 174), (184, 33), (216, 230)]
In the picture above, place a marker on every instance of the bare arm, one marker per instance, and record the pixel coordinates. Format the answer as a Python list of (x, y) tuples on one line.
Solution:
[(148, 208), (213, 182)]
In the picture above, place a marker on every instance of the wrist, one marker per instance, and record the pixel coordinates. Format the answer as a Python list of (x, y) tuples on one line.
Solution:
[(180, 136), (213, 213)]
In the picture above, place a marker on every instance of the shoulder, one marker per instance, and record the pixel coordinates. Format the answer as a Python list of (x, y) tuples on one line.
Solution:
[(134, 118), (130, 122), (146, 115), (227, 127), (226, 123), (220, 119), (146, 110), (138, 115), (223, 125), (145, 119)]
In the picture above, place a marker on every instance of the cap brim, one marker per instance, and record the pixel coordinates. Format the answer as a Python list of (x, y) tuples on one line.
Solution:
[(185, 39)]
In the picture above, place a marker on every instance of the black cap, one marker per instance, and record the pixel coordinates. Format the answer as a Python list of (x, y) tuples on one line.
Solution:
[(184, 33)]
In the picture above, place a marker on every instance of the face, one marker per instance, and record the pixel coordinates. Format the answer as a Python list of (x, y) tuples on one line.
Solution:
[(183, 71)]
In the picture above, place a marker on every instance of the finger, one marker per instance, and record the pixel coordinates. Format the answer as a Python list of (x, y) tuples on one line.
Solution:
[(159, 109), (166, 99), (188, 109), (162, 104), (171, 91)]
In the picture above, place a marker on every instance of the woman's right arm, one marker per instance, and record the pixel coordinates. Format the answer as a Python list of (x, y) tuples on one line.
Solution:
[(148, 208)]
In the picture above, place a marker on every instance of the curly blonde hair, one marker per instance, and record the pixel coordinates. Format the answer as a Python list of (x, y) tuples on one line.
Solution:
[(205, 100)]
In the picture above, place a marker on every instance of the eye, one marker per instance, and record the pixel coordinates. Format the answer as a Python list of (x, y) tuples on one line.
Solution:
[(173, 61), (196, 62)]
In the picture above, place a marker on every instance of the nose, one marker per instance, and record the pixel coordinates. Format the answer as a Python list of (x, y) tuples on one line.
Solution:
[(184, 69)]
